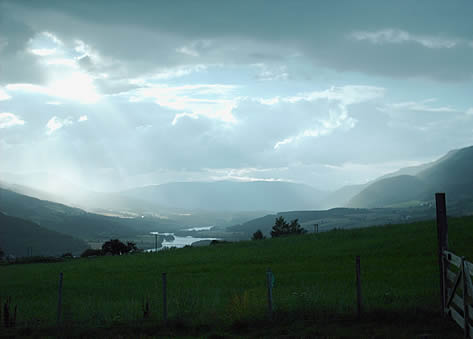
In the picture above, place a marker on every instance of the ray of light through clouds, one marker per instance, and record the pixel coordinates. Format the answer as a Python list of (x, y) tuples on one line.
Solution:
[(111, 97)]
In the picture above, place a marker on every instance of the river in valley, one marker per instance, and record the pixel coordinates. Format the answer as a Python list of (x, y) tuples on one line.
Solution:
[(172, 240)]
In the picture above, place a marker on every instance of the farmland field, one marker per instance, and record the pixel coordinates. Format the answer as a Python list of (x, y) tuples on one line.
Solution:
[(221, 289)]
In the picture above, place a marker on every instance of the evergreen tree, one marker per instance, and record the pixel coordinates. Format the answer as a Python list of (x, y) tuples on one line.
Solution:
[(282, 228)]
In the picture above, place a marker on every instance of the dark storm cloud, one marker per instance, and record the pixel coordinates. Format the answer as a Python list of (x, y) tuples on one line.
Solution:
[(16, 64), (148, 34)]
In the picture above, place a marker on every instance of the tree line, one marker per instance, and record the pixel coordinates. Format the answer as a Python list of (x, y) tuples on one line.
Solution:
[(281, 228)]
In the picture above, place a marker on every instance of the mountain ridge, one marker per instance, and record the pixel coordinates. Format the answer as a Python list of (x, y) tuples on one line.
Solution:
[(450, 174)]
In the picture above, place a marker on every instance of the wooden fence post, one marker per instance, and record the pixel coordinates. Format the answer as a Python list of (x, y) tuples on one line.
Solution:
[(442, 236), (269, 281), (59, 302), (359, 300), (465, 297), (165, 299)]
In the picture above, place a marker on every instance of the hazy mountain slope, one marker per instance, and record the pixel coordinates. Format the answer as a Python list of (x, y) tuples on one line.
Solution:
[(74, 221), (414, 170), (342, 196), (451, 174), (390, 191), (231, 196), (17, 235), (29, 191), (454, 175)]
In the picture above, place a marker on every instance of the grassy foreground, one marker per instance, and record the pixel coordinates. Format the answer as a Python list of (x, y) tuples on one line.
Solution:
[(221, 290)]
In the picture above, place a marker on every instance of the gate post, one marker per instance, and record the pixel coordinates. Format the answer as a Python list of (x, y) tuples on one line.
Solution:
[(442, 236), (465, 297)]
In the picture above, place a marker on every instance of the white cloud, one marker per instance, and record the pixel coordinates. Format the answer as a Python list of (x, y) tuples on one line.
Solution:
[(196, 100), (181, 115), (4, 95), (284, 142), (420, 106), (9, 119), (53, 38), (397, 36), (338, 118), (55, 123), (469, 111), (177, 72), (346, 95), (43, 51), (337, 115), (82, 118), (246, 174), (77, 86)]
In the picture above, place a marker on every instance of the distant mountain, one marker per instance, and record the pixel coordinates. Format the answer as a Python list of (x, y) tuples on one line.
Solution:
[(342, 196), (17, 235), (231, 196), (451, 174), (74, 221)]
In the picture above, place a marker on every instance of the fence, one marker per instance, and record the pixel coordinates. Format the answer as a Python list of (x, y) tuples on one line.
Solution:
[(455, 276)]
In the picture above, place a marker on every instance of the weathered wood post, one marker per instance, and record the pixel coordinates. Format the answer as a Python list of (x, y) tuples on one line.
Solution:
[(465, 299), (165, 299), (442, 236), (359, 300), (59, 301), (269, 281)]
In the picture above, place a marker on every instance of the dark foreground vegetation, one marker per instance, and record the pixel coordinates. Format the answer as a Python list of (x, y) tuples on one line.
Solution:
[(221, 290)]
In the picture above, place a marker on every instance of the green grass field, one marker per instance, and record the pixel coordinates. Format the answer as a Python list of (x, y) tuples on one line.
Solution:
[(221, 290)]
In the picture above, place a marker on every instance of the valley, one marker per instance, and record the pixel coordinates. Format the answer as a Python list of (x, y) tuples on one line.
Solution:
[(233, 211)]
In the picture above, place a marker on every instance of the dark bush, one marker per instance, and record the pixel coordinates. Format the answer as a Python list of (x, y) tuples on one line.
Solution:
[(258, 235), (219, 242), (116, 247)]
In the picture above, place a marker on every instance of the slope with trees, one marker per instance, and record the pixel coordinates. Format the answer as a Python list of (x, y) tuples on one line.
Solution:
[(17, 236)]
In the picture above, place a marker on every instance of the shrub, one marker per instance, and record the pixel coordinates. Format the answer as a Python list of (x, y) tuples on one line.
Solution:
[(258, 235)]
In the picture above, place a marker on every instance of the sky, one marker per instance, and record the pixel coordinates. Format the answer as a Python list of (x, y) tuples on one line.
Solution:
[(116, 94)]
